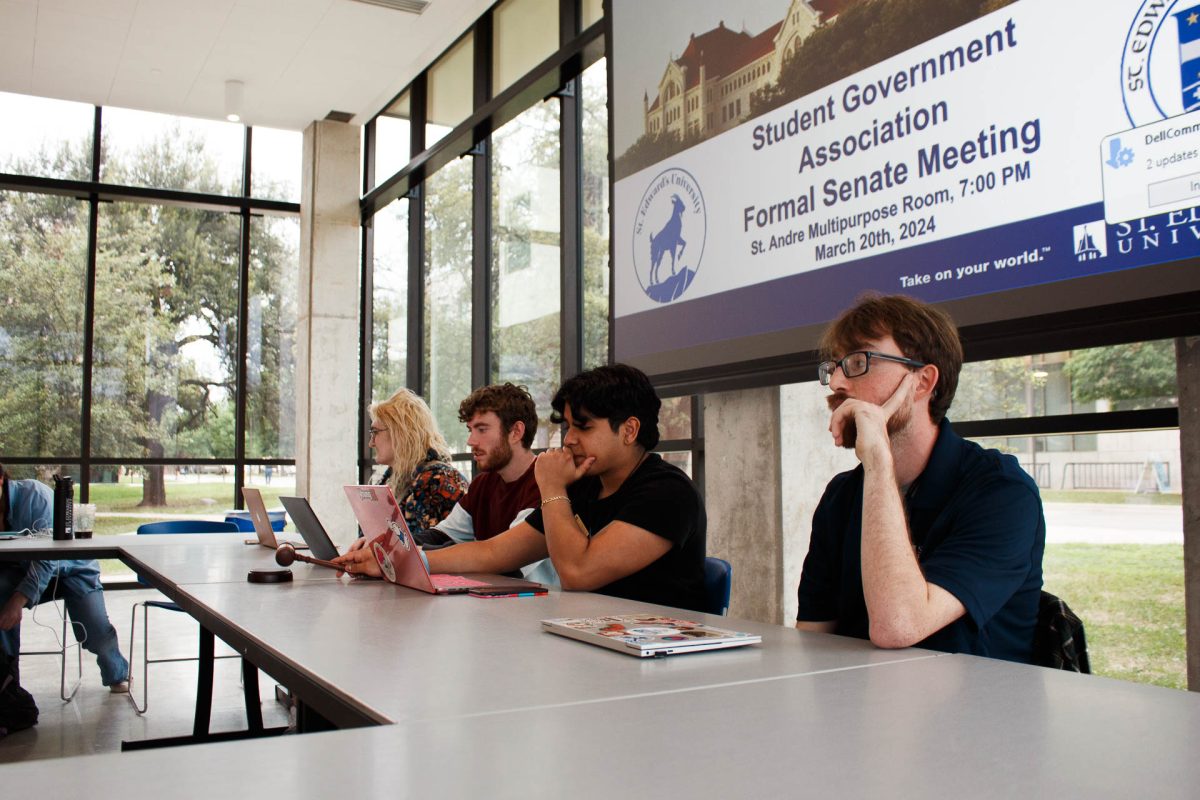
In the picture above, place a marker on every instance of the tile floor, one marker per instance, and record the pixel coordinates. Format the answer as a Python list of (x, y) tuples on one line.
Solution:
[(96, 721)]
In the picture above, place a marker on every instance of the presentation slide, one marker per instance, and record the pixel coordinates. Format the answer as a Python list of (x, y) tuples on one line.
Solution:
[(774, 160)]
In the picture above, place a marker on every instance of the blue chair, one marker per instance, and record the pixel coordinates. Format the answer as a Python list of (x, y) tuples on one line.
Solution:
[(169, 526), (718, 581)]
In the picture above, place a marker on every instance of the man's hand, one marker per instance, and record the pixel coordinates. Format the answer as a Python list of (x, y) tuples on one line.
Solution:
[(10, 614), (360, 561), (864, 425), (555, 470), (357, 544)]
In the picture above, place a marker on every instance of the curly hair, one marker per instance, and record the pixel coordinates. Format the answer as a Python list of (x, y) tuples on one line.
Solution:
[(512, 404), (413, 432)]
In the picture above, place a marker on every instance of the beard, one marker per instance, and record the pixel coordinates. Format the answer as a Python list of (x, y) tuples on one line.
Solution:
[(896, 426), (496, 458)]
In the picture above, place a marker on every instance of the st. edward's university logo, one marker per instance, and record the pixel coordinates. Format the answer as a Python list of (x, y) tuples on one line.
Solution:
[(668, 235)]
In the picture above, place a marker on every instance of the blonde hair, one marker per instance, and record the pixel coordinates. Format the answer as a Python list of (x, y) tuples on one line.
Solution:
[(413, 432)]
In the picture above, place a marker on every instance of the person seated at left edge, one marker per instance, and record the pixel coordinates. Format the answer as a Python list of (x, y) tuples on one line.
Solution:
[(615, 518)]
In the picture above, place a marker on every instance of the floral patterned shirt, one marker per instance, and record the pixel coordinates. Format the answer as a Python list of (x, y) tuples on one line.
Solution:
[(433, 490)]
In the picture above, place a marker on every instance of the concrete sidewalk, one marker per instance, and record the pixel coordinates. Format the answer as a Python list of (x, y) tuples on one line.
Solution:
[(1113, 523)]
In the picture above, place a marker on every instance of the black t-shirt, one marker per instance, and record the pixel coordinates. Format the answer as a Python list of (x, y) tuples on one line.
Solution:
[(658, 497)]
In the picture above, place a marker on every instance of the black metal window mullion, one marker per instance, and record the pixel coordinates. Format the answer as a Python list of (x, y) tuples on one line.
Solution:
[(366, 339), (481, 212), (416, 243), (571, 228), (698, 442), (243, 334), (89, 319), (369, 139)]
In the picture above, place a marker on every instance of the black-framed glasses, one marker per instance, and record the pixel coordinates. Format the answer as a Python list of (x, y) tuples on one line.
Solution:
[(859, 363)]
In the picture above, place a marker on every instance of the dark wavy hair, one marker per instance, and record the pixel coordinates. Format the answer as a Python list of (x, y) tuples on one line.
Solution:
[(923, 332), (510, 403), (614, 392)]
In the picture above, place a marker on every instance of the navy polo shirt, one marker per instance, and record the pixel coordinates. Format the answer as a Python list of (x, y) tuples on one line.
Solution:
[(976, 522)]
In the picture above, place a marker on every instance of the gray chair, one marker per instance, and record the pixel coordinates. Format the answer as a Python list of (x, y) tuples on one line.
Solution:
[(51, 596), (150, 528)]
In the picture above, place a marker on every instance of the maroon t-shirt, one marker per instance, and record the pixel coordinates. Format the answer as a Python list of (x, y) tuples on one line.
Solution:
[(493, 504)]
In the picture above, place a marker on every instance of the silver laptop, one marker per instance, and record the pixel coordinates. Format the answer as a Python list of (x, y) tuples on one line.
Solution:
[(262, 522), (648, 635), (310, 527)]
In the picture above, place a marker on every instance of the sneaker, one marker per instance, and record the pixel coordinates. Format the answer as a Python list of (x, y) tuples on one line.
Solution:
[(120, 687)]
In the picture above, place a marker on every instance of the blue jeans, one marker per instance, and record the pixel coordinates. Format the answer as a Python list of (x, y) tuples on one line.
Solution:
[(79, 587)]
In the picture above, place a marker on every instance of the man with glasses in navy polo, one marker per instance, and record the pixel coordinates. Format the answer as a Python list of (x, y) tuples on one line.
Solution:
[(931, 541)]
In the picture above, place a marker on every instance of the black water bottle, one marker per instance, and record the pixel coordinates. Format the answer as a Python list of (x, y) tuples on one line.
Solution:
[(64, 508)]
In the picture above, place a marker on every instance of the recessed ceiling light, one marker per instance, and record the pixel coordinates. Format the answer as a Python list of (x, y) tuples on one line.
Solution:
[(233, 100)]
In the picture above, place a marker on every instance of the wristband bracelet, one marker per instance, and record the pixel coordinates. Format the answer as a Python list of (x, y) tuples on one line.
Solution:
[(556, 497)]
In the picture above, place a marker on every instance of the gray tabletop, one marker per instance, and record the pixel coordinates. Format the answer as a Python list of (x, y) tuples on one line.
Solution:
[(406, 655), (953, 726)]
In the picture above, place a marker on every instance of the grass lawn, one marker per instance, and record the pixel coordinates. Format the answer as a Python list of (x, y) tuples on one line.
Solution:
[(1084, 496), (183, 497), (1130, 598), (208, 500)]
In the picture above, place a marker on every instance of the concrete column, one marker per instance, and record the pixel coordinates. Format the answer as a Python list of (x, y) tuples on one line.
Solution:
[(327, 324), (809, 461), (1187, 371), (743, 497)]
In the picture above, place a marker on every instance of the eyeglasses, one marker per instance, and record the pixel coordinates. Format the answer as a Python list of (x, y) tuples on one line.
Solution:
[(375, 432), (856, 364)]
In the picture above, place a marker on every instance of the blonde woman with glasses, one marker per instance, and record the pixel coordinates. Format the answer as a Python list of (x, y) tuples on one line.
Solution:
[(406, 440)]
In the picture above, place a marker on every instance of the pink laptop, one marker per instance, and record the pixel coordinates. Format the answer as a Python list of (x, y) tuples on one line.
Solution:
[(388, 536)]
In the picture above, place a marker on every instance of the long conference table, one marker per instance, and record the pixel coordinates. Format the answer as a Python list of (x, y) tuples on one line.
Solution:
[(461, 696)]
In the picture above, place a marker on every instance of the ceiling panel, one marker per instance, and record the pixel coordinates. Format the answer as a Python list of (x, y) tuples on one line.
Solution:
[(298, 59)]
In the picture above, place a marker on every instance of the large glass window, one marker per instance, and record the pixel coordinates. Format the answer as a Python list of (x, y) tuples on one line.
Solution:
[(447, 323), (595, 215), (526, 255), (164, 152), (46, 138), (1114, 536), (451, 90), (165, 334), (1116, 378), (525, 32), (593, 12), (389, 336), (393, 139), (43, 268), (275, 164), (271, 337), (165, 325)]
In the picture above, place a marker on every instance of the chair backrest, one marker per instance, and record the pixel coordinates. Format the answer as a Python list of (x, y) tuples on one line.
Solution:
[(718, 581), (1059, 641), (187, 526)]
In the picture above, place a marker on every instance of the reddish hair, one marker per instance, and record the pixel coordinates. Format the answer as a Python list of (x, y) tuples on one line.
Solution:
[(923, 332)]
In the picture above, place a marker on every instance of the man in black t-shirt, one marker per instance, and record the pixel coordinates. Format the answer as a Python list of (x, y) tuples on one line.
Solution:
[(614, 517)]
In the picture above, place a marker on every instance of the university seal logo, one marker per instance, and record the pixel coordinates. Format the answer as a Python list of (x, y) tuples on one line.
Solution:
[(668, 235), (1160, 63)]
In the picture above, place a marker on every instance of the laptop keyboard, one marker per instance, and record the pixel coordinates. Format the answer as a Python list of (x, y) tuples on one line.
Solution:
[(455, 582)]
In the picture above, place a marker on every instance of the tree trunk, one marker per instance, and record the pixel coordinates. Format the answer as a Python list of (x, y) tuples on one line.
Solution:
[(154, 490)]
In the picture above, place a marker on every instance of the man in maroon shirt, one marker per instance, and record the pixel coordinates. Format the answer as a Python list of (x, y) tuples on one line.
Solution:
[(502, 419)]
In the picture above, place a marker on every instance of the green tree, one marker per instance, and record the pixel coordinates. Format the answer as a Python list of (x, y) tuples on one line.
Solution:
[(1130, 376), (165, 330)]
